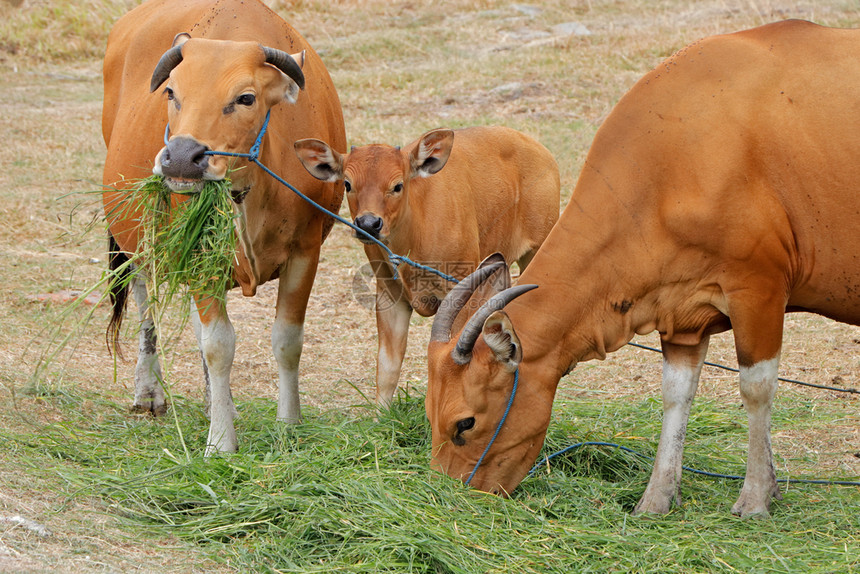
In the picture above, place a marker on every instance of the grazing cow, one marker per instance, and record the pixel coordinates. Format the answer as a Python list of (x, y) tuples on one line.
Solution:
[(216, 89), (498, 192), (720, 193)]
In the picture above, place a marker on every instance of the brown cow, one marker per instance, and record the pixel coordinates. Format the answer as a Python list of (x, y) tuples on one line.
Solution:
[(218, 87), (498, 192), (720, 193)]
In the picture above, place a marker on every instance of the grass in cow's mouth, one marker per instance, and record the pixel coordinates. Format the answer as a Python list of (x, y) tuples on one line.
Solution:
[(190, 244), (186, 250)]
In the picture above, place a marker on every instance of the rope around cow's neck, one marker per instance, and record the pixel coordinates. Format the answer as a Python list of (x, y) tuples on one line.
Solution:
[(254, 154)]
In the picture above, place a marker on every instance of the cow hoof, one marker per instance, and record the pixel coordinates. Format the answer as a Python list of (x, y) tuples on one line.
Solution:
[(756, 503), (212, 450), (658, 500), (652, 507), (750, 506), (752, 512), (149, 409), (745, 507)]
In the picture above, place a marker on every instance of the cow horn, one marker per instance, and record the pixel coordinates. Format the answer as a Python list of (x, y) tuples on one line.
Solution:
[(168, 61), (285, 63), (456, 299), (462, 353)]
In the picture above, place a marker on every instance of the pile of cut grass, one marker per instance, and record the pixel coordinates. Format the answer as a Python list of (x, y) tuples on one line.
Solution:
[(350, 493)]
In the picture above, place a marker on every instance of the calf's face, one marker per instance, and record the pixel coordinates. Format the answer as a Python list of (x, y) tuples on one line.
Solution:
[(377, 177)]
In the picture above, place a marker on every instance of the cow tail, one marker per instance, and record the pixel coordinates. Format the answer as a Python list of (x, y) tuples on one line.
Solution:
[(118, 286)]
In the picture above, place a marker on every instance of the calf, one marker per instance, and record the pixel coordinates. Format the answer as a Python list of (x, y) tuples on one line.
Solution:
[(448, 199)]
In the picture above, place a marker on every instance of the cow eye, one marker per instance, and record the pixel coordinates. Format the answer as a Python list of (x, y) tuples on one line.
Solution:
[(246, 100), (397, 188), (347, 186), (462, 426), (465, 424), (169, 93)]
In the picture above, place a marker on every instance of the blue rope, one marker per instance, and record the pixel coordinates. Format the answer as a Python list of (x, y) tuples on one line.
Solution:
[(498, 428), (732, 369), (253, 156), (546, 459)]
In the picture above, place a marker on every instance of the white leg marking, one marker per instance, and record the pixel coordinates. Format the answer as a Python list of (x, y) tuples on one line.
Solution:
[(393, 327), (758, 387), (287, 346), (288, 337), (680, 382), (218, 346), (148, 393), (198, 333)]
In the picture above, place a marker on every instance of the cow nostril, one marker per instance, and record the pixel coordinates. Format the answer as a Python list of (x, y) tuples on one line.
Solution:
[(201, 159)]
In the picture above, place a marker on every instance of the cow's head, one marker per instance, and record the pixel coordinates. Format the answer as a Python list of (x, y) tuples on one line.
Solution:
[(377, 176), (218, 93), (470, 380)]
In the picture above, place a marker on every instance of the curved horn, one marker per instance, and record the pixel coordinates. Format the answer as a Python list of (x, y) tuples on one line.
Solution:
[(462, 353), (168, 61), (456, 299), (285, 63)]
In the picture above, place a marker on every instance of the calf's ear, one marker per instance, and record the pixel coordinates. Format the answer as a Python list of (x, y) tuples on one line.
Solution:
[(500, 336), (319, 159), (432, 152)]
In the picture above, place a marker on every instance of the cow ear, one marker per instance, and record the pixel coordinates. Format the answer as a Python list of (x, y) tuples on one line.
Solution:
[(181, 38), (319, 159), (431, 153), (290, 66), (291, 94), (299, 57), (500, 336)]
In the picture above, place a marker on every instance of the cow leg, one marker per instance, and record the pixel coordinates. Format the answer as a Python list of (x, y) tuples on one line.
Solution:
[(217, 341), (148, 392), (294, 289), (198, 332), (392, 324), (758, 340), (681, 369)]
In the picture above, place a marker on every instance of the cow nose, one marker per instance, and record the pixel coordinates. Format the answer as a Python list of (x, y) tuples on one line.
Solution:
[(370, 223), (184, 158)]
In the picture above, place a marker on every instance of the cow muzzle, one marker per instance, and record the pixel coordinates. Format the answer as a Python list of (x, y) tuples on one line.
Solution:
[(184, 164), (371, 224)]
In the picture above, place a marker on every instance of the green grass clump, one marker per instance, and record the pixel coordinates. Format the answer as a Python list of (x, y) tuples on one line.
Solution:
[(190, 244)]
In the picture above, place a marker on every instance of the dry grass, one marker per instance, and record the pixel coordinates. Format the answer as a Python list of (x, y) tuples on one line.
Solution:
[(401, 68)]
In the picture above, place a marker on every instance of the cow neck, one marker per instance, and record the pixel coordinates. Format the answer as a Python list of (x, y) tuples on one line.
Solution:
[(250, 275), (593, 293)]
